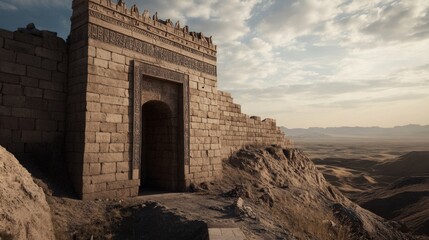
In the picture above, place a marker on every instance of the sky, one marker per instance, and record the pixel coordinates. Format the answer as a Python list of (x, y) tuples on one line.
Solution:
[(305, 63)]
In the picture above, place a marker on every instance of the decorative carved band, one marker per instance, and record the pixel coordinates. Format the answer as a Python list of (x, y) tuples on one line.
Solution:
[(133, 44), (162, 73), (131, 24), (144, 70), (137, 118)]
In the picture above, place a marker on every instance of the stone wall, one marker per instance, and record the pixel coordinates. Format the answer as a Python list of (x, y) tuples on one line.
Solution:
[(106, 42), (238, 129), (33, 75), (138, 95)]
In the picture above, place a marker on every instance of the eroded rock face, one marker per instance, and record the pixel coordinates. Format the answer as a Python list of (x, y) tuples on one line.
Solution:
[(24, 212)]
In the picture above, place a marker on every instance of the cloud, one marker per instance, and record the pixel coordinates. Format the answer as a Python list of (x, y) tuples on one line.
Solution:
[(300, 61), (375, 23), (224, 19), (35, 3), (7, 6), (284, 21)]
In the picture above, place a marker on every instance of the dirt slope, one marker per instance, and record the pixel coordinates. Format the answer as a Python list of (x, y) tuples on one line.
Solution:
[(411, 164), (24, 212), (268, 192), (286, 192), (406, 200)]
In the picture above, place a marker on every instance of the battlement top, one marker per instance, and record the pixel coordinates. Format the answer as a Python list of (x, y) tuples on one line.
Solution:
[(145, 18)]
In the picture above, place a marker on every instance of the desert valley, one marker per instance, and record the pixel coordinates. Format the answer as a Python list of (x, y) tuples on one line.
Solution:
[(383, 170), (119, 123)]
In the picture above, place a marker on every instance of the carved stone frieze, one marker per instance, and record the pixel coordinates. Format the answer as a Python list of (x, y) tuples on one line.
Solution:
[(118, 39), (110, 16)]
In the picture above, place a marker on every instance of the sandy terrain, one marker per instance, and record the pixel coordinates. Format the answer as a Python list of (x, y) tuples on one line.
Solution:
[(388, 177), (267, 192)]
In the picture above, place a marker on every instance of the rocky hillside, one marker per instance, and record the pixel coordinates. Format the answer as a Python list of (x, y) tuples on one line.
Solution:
[(291, 198), (268, 192), (24, 212)]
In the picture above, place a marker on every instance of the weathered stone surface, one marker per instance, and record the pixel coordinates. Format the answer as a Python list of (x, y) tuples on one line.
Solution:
[(24, 212)]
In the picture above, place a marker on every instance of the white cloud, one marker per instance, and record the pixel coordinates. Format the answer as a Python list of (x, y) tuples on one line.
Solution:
[(37, 3), (311, 62), (7, 6), (224, 19), (284, 21)]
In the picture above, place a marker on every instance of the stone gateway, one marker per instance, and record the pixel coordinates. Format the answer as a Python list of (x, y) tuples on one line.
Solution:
[(129, 103)]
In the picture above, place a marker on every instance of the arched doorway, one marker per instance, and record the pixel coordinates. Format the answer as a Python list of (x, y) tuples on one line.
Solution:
[(159, 160)]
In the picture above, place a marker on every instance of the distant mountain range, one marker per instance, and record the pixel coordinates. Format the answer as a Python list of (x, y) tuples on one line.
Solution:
[(411, 131)]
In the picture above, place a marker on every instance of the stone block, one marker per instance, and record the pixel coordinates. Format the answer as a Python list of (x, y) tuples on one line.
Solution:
[(94, 188), (104, 147), (19, 47), (113, 118), (111, 100), (5, 137), (22, 112), (123, 167), (108, 127), (14, 101), (38, 73), (12, 68), (50, 65), (7, 55), (54, 95), (49, 54), (33, 92), (90, 157), (27, 81), (94, 168), (118, 58), (108, 168), (101, 63), (56, 106), (109, 108), (90, 137), (122, 127), (51, 85), (9, 122), (122, 176), (116, 147), (46, 125), (92, 127), (111, 157), (122, 184), (11, 89), (28, 60), (31, 137), (103, 54), (116, 66), (103, 178), (93, 107), (119, 138), (92, 97), (97, 117), (91, 148), (26, 123), (102, 137)]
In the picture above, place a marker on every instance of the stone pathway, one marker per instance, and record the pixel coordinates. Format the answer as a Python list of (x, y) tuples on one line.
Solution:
[(226, 234)]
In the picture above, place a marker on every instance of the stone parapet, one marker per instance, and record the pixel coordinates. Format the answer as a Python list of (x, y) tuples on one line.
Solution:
[(238, 129), (161, 30)]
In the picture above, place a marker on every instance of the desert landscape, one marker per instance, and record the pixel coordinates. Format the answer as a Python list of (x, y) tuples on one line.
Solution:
[(267, 192), (388, 175), (153, 120)]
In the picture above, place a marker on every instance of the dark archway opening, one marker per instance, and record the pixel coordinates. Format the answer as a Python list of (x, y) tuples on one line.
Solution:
[(159, 162)]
